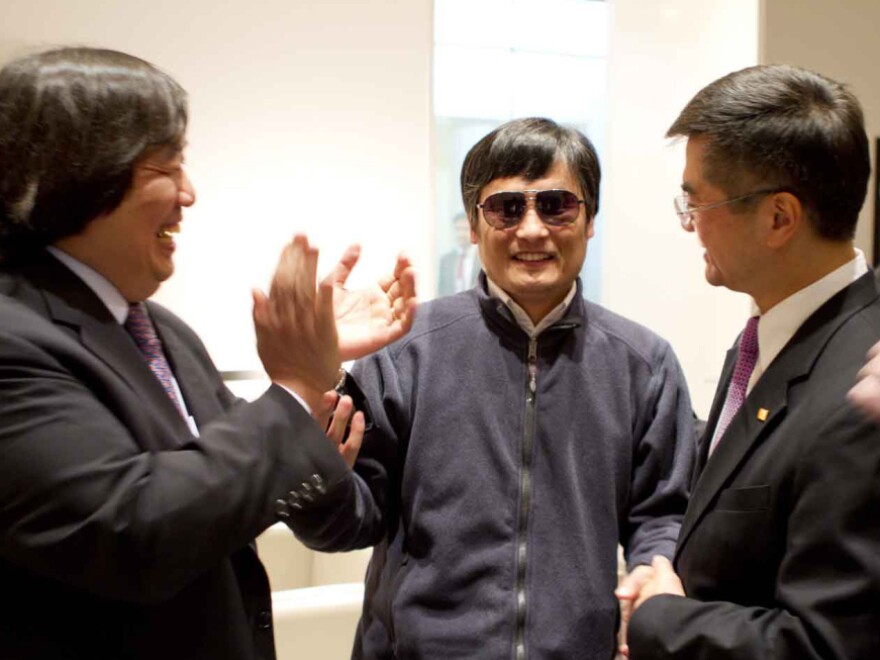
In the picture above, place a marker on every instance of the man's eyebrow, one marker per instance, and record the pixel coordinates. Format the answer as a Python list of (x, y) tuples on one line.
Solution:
[(163, 154), (172, 149)]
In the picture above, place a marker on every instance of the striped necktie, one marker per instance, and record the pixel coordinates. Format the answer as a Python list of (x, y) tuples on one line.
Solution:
[(141, 329)]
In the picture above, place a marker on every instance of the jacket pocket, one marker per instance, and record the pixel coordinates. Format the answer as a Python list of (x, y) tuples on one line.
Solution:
[(393, 606), (750, 498)]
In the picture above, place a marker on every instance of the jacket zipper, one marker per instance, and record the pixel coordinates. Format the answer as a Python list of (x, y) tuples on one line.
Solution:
[(525, 484)]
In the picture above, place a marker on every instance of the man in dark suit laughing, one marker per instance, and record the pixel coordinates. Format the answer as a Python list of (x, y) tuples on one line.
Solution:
[(132, 482)]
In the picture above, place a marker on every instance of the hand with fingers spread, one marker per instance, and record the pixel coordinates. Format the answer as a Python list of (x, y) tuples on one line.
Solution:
[(296, 333), (368, 319)]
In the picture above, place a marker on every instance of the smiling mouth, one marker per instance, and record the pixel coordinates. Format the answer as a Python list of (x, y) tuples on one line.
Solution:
[(532, 257), (168, 232)]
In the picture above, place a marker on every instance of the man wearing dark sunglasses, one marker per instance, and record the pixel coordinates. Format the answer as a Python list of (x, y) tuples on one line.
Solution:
[(519, 435), (779, 553)]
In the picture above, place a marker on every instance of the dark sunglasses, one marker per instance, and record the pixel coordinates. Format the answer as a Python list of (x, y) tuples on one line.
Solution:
[(556, 208)]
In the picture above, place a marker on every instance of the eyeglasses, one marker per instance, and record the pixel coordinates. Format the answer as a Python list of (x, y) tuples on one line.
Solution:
[(556, 208), (686, 212)]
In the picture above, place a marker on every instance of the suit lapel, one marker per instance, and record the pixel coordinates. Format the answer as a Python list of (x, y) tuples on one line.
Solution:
[(745, 431), (715, 410), (70, 303), (766, 405)]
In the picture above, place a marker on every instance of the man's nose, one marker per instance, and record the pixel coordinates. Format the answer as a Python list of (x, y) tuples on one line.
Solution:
[(187, 193), (531, 224)]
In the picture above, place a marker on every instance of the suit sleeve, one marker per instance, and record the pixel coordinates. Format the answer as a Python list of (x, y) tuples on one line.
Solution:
[(360, 521), (662, 464), (828, 586), (375, 484), (83, 503)]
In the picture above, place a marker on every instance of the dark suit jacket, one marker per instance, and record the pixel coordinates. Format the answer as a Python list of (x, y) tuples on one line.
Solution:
[(123, 536), (779, 551)]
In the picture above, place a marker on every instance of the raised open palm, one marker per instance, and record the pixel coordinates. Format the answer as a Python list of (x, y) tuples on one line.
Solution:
[(368, 319)]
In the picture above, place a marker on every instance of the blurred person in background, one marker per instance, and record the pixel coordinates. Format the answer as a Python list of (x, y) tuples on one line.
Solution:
[(460, 266)]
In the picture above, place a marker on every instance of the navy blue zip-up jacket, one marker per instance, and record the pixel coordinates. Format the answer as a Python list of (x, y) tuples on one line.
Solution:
[(497, 494)]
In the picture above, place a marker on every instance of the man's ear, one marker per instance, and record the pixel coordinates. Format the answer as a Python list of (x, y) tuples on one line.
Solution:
[(591, 227), (474, 237), (788, 219)]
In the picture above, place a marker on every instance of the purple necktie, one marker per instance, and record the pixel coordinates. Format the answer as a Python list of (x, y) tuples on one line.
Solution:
[(141, 329), (742, 371)]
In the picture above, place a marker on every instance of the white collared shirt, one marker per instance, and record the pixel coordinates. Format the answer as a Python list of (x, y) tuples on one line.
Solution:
[(779, 324), (523, 319), (100, 285)]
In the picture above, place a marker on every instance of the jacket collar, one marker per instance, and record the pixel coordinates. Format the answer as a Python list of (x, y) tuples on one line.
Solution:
[(502, 320), (58, 294)]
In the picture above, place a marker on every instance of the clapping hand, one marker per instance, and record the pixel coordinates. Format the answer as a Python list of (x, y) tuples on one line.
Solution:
[(368, 319), (296, 332)]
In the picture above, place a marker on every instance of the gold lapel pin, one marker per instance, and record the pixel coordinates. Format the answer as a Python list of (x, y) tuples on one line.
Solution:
[(763, 413)]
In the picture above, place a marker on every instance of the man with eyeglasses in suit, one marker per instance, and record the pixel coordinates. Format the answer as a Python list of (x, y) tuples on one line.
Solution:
[(520, 435), (132, 481), (779, 553)]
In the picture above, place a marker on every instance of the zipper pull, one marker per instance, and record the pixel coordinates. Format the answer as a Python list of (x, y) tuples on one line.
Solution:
[(533, 364)]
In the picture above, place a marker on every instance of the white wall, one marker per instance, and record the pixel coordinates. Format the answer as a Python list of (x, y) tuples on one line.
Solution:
[(305, 115), (662, 53), (316, 116), (839, 40)]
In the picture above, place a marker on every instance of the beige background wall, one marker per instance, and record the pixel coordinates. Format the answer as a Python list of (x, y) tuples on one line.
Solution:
[(839, 40), (317, 116), (662, 53), (304, 115)]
